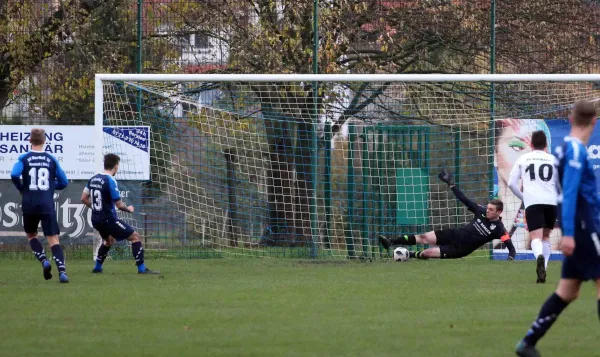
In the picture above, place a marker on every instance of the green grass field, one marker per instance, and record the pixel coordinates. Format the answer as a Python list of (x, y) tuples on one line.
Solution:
[(254, 307)]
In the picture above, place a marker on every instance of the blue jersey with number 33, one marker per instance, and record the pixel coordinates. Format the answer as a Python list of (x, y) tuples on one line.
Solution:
[(104, 192), (36, 175)]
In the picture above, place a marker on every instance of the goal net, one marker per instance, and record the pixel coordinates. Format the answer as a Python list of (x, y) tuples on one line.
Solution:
[(315, 166)]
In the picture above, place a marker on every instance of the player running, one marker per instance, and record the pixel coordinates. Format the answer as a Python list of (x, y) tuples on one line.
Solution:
[(579, 210), (459, 242), (536, 169), (36, 175), (102, 195)]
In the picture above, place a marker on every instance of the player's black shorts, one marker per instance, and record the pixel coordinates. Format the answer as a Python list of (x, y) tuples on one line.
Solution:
[(574, 268), (116, 228), (49, 223), (540, 216), (584, 264), (455, 243)]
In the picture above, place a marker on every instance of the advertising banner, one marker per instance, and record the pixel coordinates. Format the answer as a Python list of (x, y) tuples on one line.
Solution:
[(75, 150), (74, 218), (513, 139)]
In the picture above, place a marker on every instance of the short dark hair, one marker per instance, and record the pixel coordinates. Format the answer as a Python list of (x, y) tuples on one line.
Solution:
[(498, 203), (538, 140), (37, 136), (584, 111), (110, 161)]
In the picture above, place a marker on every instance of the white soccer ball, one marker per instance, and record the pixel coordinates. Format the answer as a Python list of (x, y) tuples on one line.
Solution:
[(401, 254)]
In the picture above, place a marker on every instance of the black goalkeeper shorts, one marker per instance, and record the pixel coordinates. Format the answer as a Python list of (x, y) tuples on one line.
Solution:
[(455, 243)]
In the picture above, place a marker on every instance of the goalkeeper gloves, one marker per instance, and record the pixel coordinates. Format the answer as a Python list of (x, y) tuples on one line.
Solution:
[(446, 177)]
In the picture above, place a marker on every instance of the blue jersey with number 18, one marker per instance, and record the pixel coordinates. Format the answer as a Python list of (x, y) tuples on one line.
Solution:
[(104, 192), (36, 175)]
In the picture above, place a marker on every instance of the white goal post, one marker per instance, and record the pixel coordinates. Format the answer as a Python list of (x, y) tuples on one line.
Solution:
[(268, 164)]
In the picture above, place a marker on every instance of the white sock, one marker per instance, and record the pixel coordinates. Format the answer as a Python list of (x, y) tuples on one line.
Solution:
[(537, 247), (547, 251)]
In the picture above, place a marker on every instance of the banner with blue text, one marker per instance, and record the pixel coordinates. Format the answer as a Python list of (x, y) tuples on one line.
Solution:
[(74, 148)]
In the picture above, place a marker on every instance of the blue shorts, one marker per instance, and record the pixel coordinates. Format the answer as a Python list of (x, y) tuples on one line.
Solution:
[(584, 264), (49, 223), (115, 228)]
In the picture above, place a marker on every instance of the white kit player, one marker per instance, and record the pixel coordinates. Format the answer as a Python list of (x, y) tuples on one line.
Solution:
[(539, 196)]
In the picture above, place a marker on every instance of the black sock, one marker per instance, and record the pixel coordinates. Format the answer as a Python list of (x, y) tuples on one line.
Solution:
[(102, 254), (138, 253), (38, 249), (418, 255), (405, 239), (548, 314), (598, 308), (59, 257), (511, 248)]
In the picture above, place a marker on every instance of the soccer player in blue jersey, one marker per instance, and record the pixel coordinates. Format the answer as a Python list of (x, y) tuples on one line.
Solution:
[(102, 195), (579, 211), (36, 175)]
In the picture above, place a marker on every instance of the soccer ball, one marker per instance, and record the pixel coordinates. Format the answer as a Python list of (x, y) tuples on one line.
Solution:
[(401, 254)]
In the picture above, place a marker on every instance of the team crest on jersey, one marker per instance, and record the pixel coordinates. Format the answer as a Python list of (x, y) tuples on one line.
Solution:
[(492, 226)]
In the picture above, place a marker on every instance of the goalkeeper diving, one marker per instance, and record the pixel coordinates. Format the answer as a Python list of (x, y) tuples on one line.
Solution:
[(453, 243)]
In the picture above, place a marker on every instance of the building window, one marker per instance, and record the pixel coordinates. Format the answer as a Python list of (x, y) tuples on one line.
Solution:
[(199, 41)]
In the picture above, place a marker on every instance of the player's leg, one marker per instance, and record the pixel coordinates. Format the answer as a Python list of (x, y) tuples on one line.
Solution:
[(536, 242), (445, 251), (456, 250), (51, 231), (30, 224), (120, 231), (565, 293), (537, 246), (535, 224), (547, 246), (102, 254), (598, 295), (138, 254), (409, 239), (429, 253), (550, 215), (59, 257)]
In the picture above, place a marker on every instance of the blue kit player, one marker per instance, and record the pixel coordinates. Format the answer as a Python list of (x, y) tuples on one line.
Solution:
[(578, 209), (36, 175), (102, 195)]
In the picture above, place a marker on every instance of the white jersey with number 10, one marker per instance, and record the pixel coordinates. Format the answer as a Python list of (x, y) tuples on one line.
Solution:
[(538, 171)]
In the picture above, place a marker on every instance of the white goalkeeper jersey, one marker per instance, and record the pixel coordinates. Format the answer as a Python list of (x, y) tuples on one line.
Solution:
[(539, 174)]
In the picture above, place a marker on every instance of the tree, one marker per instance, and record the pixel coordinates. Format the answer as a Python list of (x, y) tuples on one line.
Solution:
[(361, 36), (65, 44), (548, 36), (50, 51), (30, 34)]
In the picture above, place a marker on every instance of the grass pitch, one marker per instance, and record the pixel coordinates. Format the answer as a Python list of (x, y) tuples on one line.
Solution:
[(260, 307)]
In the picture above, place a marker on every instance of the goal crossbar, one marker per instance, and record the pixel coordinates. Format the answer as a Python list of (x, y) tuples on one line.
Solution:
[(350, 77)]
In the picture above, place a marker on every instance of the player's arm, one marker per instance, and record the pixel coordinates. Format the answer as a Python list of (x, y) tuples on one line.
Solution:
[(574, 163), (513, 181), (115, 195), (471, 205), (506, 239), (85, 196), (61, 180), (447, 178), (123, 207), (15, 175)]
